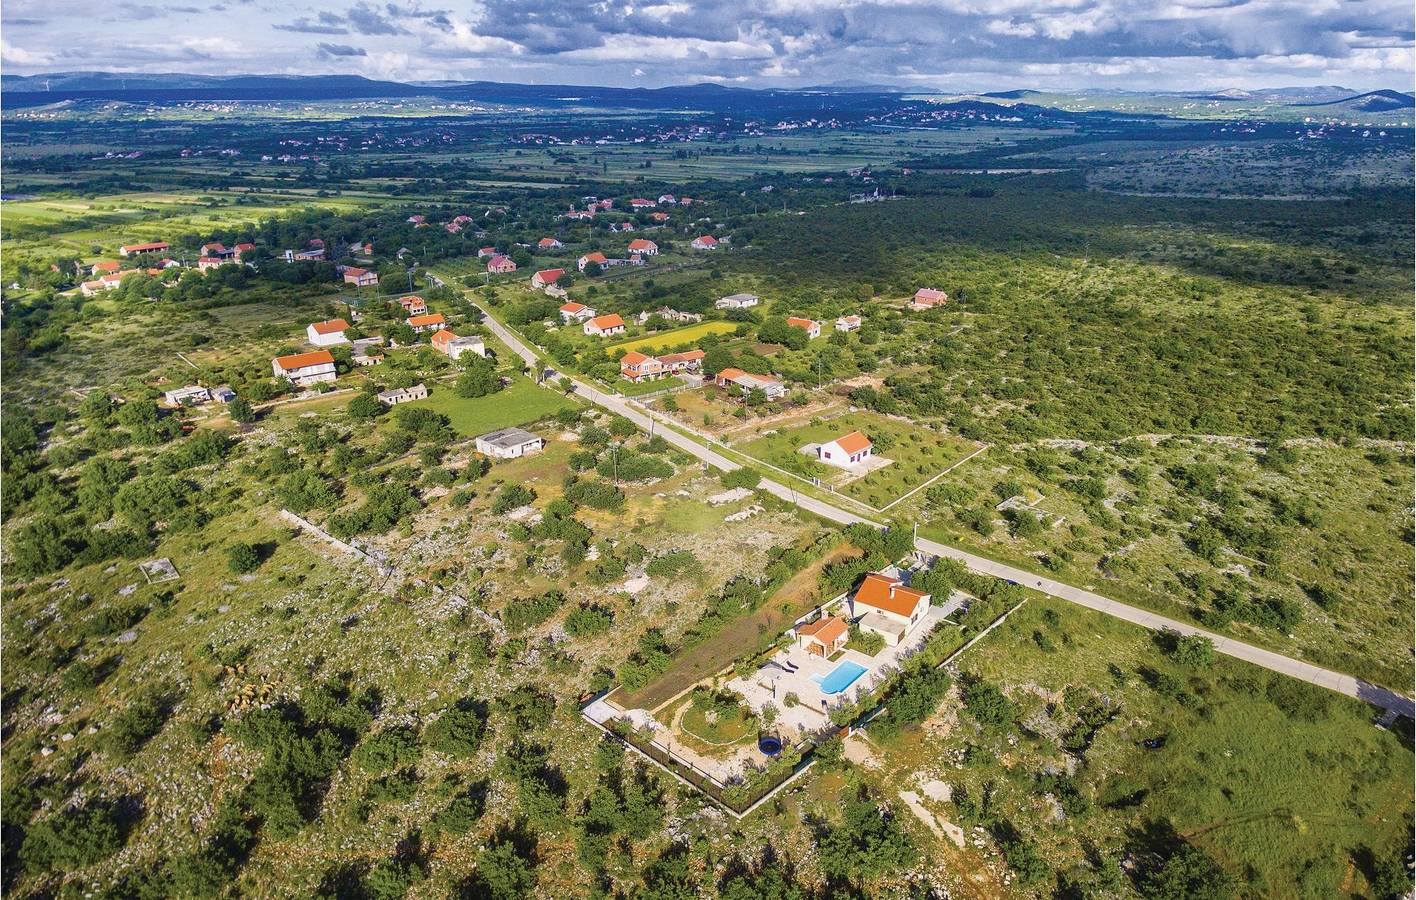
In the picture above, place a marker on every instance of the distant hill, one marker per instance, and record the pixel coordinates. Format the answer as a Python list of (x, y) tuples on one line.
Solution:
[(1009, 95), (1372, 101)]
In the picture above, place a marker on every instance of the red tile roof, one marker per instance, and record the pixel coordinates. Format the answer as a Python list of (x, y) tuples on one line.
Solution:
[(685, 356), (301, 360), (429, 319), (853, 442), (332, 326), (611, 320), (641, 244), (572, 307), (827, 630), (889, 594), (634, 358), (801, 323)]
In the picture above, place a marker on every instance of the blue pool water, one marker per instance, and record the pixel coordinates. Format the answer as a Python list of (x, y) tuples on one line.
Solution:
[(841, 677)]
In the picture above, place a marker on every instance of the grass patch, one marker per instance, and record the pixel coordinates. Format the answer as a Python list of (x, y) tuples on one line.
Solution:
[(520, 403), (665, 340)]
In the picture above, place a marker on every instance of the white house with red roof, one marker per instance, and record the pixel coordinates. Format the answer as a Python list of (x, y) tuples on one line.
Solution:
[(219, 251), (413, 305), (810, 326), (848, 323), (637, 367), (746, 382), (592, 259), (485, 252), (643, 247), (211, 262), (360, 277), (925, 298), (706, 242), (575, 312), (546, 277), (549, 243), (885, 606), (431, 321), (824, 636), (453, 346), (845, 451), (604, 326), (687, 361), (327, 333), (641, 203), (305, 368), (668, 198)]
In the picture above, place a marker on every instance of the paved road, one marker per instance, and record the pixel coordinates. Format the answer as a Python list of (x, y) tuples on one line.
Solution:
[(1276, 662)]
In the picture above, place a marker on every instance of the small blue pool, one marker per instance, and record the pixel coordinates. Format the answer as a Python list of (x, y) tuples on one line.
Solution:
[(841, 677)]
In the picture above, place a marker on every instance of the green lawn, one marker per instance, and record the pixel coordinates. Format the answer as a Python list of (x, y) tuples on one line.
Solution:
[(665, 340), (918, 454), (518, 404)]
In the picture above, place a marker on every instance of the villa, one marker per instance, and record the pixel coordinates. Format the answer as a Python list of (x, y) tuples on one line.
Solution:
[(452, 346), (643, 247), (746, 382), (706, 242), (687, 361), (413, 305), (637, 367), (885, 606)]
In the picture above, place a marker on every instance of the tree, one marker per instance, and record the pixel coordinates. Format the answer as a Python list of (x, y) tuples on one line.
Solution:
[(986, 703), (365, 406), (1194, 651), (478, 380), (241, 410), (867, 844), (1188, 873), (242, 558)]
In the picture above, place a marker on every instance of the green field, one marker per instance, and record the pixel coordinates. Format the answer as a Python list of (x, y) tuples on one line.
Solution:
[(520, 403), (666, 340), (918, 454)]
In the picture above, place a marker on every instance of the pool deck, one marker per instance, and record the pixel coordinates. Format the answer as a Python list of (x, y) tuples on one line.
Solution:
[(772, 683)]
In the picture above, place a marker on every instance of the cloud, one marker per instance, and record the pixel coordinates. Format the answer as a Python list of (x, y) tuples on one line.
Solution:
[(340, 50), (365, 18), (306, 26)]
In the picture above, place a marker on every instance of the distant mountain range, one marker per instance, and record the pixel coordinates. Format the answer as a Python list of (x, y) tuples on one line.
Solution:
[(35, 90)]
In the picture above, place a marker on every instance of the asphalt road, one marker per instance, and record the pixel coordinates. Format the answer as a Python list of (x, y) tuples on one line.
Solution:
[(1275, 662)]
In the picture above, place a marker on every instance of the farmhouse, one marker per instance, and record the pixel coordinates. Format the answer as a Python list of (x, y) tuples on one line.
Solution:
[(549, 243), (104, 268), (413, 305), (886, 607), (546, 277), (595, 259), (501, 265), (824, 636), (848, 323), (219, 251), (420, 324), (846, 450), (576, 312), (305, 368), (360, 277), (150, 247), (643, 247), (924, 298), (452, 346), (187, 396), (210, 262), (737, 301), (637, 367), (243, 248), (706, 242), (605, 325), (404, 395), (746, 382), (328, 333), (508, 443), (688, 361), (810, 326)]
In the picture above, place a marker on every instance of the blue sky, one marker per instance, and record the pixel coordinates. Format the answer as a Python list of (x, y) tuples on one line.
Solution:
[(948, 44)]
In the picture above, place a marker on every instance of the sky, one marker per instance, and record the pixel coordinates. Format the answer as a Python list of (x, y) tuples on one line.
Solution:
[(951, 45)]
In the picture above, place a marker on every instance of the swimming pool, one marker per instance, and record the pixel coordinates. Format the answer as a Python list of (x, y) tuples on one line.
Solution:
[(841, 677)]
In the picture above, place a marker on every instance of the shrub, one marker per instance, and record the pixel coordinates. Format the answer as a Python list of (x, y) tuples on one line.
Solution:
[(389, 749), (242, 558), (135, 725), (459, 730), (73, 839), (588, 620)]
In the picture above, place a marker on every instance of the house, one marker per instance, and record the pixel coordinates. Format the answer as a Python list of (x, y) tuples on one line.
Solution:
[(219, 251), (210, 262), (596, 259), (404, 395), (168, 264), (106, 267), (546, 277), (450, 345), (659, 217), (462, 220), (150, 247), (327, 333), (605, 325), (688, 361), (848, 323), (886, 607), (622, 226), (824, 636), (420, 324), (810, 326), (549, 243), (223, 394), (242, 248), (669, 315), (746, 382), (501, 265), (293, 256), (367, 351), (360, 277), (416, 220), (667, 198), (924, 298), (190, 395), (643, 247), (581, 214), (413, 305), (453, 228), (846, 450), (305, 368), (508, 443), (576, 312), (641, 203), (706, 242), (637, 367), (738, 301), (486, 252)]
